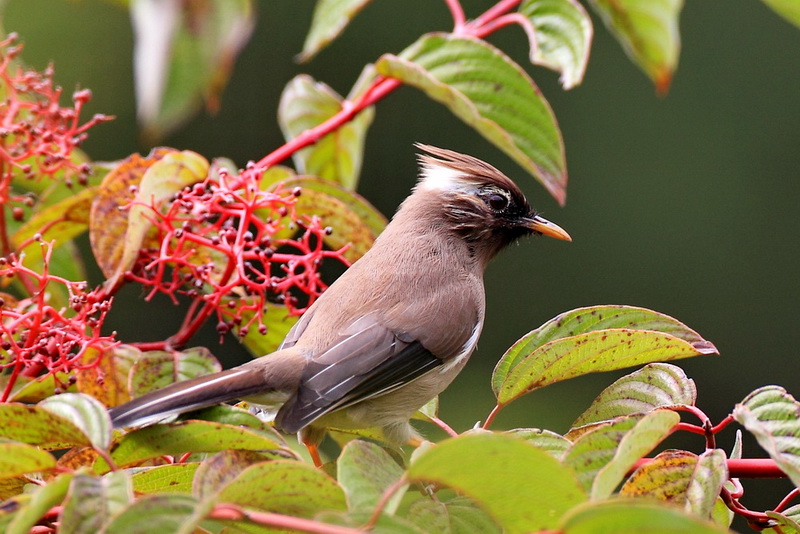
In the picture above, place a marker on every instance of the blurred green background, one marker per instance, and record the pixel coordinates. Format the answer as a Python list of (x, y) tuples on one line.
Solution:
[(685, 204)]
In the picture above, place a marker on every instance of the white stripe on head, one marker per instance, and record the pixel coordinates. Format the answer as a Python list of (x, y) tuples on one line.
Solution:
[(443, 178)]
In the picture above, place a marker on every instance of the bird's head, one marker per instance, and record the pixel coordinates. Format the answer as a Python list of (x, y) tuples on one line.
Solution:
[(479, 203)]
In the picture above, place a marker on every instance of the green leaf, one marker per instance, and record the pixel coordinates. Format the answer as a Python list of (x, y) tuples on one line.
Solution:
[(365, 470), (428, 515), (278, 322), (92, 502), (337, 156), (681, 478), (108, 219), (626, 515), (28, 509), (172, 478), (20, 458), (176, 513), (560, 37), (284, 487), (665, 478), (466, 518), (770, 414), (154, 370), (788, 9), (231, 415), (183, 55), (707, 480), (603, 456), (86, 413), (178, 438), (653, 386), (505, 477), (330, 19), (555, 444), (788, 520), (589, 340), (428, 411), (60, 222), (32, 390), (491, 93), (36, 426), (648, 32), (352, 218), (217, 471), (108, 380), (117, 253)]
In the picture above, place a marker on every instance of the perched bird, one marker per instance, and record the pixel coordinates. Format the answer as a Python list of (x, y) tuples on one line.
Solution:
[(395, 329)]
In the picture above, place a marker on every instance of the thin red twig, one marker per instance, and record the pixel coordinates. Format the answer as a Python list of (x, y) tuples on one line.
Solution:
[(231, 512)]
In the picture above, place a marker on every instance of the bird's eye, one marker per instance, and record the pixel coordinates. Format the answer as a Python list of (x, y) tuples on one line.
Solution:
[(497, 201)]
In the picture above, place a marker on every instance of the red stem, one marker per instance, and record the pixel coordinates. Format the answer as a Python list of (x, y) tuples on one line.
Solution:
[(375, 92), (444, 426), (491, 416), (457, 12), (500, 8), (786, 500), (744, 468), (233, 513)]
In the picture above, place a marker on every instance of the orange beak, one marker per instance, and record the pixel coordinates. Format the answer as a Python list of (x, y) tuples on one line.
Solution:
[(542, 226)]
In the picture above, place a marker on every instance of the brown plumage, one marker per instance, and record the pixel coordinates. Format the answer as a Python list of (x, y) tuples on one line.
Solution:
[(395, 329)]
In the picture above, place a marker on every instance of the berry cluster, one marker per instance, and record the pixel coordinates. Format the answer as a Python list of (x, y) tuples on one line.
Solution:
[(37, 339), (37, 135), (232, 245)]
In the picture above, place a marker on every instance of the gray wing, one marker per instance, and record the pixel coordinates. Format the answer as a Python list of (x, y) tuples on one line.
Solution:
[(369, 360), (297, 330)]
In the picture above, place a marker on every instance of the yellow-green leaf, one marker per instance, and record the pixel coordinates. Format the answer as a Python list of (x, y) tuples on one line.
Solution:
[(37, 426), (491, 93), (330, 19), (770, 414), (648, 32), (108, 220), (175, 513), (28, 509), (20, 458), (154, 370), (589, 340), (278, 323), (92, 502), (217, 471), (337, 156), (522, 487), (285, 487), (653, 386), (108, 380), (560, 37), (86, 413), (172, 478), (628, 515), (365, 471), (188, 436), (160, 181), (351, 217), (60, 222), (602, 456), (788, 9)]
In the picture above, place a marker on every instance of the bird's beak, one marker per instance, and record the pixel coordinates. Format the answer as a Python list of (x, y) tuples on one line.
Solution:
[(543, 226)]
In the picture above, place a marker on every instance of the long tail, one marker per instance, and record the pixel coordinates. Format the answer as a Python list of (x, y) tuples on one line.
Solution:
[(190, 395)]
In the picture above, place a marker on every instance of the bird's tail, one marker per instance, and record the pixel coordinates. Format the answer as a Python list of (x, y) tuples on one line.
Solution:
[(189, 395)]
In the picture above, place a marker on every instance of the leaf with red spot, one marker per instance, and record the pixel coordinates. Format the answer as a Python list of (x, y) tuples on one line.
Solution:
[(590, 340)]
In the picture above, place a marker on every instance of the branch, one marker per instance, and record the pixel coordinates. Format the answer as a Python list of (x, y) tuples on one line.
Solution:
[(744, 468), (268, 519)]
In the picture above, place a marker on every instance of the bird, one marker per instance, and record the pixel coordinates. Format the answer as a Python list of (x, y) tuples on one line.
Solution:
[(394, 330)]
